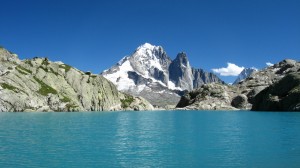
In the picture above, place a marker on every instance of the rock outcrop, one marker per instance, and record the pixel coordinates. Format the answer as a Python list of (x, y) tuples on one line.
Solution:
[(275, 88), (262, 79), (41, 85), (209, 97), (283, 95)]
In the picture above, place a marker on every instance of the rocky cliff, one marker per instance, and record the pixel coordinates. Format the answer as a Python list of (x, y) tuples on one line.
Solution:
[(41, 85), (283, 95), (275, 88), (149, 72)]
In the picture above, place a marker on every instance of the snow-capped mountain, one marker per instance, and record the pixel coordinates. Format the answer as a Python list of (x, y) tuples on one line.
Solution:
[(244, 74), (149, 72)]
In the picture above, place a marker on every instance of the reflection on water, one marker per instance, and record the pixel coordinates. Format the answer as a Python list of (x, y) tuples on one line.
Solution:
[(150, 139)]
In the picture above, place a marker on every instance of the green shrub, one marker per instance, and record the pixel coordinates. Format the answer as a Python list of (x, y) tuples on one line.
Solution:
[(65, 99), (54, 72), (71, 107), (43, 68), (45, 62), (127, 101), (65, 67)]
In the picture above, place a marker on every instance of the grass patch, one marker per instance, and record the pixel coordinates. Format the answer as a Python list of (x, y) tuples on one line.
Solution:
[(71, 107), (45, 89), (54, 72), (20, 68), (43, 68), (9, 87), (65, 99), (49, 70), (21, 72), (65, 67), (28, 62), (127, 101)]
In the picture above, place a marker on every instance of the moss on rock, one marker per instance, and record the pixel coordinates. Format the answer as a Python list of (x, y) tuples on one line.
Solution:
[(45, 89), (127, 101)]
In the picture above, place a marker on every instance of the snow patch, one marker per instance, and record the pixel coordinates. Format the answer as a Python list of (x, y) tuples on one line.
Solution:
[(120, 78), (172, 86), (140, 88)]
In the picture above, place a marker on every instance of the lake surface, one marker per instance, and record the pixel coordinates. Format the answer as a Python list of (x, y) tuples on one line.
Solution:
[(150, 139)]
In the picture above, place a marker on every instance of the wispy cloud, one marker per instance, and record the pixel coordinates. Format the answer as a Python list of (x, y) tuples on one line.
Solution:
[(269, 64), (230, 70)]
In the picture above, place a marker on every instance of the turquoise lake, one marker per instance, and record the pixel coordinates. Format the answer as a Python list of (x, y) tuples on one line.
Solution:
[(150, 139)]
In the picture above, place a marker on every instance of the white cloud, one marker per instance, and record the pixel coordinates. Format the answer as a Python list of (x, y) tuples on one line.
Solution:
[(230, 70), (269, 64)]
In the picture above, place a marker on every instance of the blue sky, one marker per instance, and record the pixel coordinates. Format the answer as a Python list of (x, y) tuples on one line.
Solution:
[(94, 35)]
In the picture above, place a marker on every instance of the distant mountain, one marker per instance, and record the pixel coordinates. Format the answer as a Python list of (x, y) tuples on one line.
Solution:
[(244, 74), (149, 72)]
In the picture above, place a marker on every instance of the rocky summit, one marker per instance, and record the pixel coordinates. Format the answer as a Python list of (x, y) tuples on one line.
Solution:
[(275, 88), (150, 73), (41, 85)]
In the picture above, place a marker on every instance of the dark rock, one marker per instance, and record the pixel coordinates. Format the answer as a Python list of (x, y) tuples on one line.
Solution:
[(138, 79), (160, 75), (239, 101), (283, 95), (251, 95)]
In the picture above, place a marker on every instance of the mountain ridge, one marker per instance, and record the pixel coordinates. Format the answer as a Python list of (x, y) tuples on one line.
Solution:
[(150, 71)]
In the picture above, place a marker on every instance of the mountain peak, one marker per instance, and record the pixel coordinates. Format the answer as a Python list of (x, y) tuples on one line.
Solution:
[(146, 46), (148, 49), (181, 58), (149, 72)]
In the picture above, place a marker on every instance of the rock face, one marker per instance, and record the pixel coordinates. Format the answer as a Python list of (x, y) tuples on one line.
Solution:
[(41, 85), (181, 72), (283, 95), (244, 74), (150, 73), (208, 97), (240, 101), (262, 79), (275, 88)]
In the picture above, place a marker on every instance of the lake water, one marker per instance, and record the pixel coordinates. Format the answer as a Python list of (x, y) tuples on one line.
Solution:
[(150, 139)]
